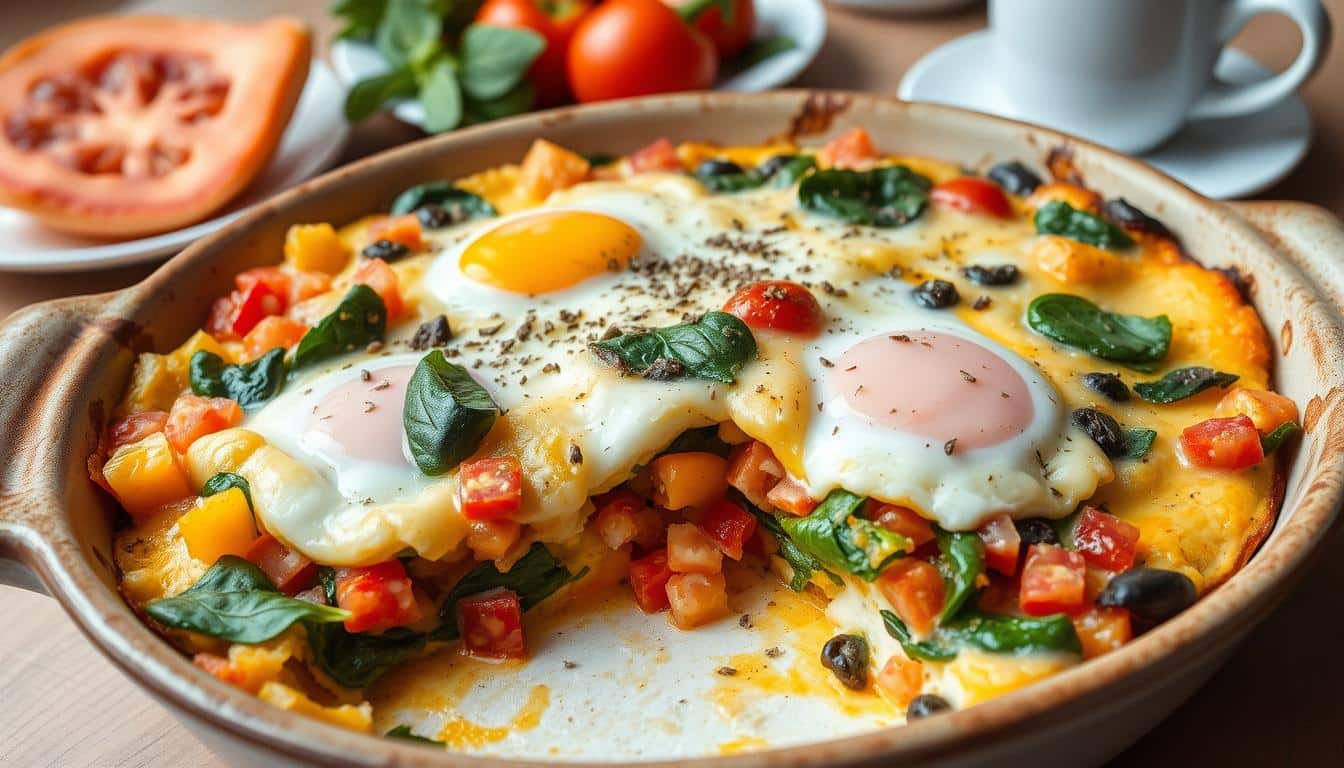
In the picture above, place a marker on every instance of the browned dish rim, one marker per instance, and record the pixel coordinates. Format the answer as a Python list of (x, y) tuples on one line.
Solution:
[(33, 530)]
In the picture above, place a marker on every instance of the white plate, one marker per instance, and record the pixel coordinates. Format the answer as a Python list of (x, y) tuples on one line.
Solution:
[(1232, 157), (802, 20), (311, 143)]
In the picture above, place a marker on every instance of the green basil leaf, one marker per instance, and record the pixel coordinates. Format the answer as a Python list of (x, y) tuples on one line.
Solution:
[(250, 384), (760, 50), (964, 563), (699, 439), (369, 95), (1138, 441), (223, 481), (1059, 218), (791, 171), (881, 197), (1076, 322), (923, 650), (1014, 634), (836, 535), (1281, 434), (446, 194), (715, 347), (362, 17), (1182, 383), (535, 577), (447, 414), (404, 733), (441, 97), (235, 601), (359, 319), (409, 32), (803, 564), (355, 660), (495, 59), (517, 100)]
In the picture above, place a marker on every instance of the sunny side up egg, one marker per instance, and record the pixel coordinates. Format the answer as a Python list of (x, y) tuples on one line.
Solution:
[(891, 400)]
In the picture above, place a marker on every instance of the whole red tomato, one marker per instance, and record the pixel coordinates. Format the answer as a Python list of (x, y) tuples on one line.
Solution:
[(554, 20), (730, 36), (637, 47)]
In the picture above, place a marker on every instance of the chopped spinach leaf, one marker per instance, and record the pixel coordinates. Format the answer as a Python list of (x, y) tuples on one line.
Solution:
[(447, 414), (251, 384), (1136, 341), (356, 659), (359, 319), (1280, 435), (881, 197), (235, 601), (836, 535), (1013, 634), (223, 481), (1138, 441), (446, 194), (1182, 383), (715, 347), (803, 564), (923, 650), (963, 565), (404, 733), (1059, 218), (535, 577)]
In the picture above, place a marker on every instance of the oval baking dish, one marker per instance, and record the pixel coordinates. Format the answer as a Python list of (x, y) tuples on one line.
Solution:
[(69, 360)]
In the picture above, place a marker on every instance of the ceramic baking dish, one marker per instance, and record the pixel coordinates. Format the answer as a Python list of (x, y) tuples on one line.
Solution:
[(66, 363)]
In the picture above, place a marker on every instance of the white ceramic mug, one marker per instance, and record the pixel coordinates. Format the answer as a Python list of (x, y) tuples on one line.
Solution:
[(1129, 73)]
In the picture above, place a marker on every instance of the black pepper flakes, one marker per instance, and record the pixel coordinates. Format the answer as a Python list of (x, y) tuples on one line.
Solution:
[(432, 333), (950, 446), (575, 454)]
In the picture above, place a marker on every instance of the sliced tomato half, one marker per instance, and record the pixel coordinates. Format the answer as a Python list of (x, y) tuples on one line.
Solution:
[(119, 126)]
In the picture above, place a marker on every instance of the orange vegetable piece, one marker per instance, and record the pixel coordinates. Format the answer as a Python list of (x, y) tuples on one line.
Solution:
[(271, 332), (376, 274), (146, 475), (850, 149), (404, 229), (689, 479), (548, 167), (219, 525), (194, 417)]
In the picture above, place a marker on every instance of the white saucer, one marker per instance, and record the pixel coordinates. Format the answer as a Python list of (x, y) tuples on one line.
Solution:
[(311, 143), (1233, 157), (802, 20)]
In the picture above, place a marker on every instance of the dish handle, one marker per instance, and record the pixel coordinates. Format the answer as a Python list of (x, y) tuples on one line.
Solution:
[(33, 343)]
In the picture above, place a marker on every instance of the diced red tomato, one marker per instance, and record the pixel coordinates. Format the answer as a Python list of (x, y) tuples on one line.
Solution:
[(729, 526), (270, 333), (257, 302), (378, 597), (696, 598), (971, 194), (306, 285), (220, 668), (288, 570), (273, 277), (790, 496), (193, 417), (690, 550), (404, 229), (661, 155), (778, 305), (491, 625), (1002, 544), (754, 470), (134, 428), (1231, 443), (376, 274), (1105, 540), (915, 590), (648, 580), (850, 149), (220, 322), (490, 489), (901, 679), (1053, 581), (902, 520), (1102, 629)]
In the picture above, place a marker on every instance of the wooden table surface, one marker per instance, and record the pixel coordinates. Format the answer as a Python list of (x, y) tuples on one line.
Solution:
[(1275, 703)]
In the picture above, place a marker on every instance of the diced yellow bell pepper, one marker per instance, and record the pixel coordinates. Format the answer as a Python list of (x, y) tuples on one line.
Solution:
[(146, 475), (315, 248), (219, 525), (154, 385), (1072, 262), (355, 717)]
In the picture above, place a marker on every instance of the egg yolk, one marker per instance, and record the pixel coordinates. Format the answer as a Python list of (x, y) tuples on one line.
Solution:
[(361, 419), (934, 385), (550, 251)]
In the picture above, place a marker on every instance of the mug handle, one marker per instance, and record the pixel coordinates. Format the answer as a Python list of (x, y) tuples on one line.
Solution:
[(1230, 99)]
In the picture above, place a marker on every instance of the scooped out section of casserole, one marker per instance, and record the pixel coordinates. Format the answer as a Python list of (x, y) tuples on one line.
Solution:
[(880, 437)]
